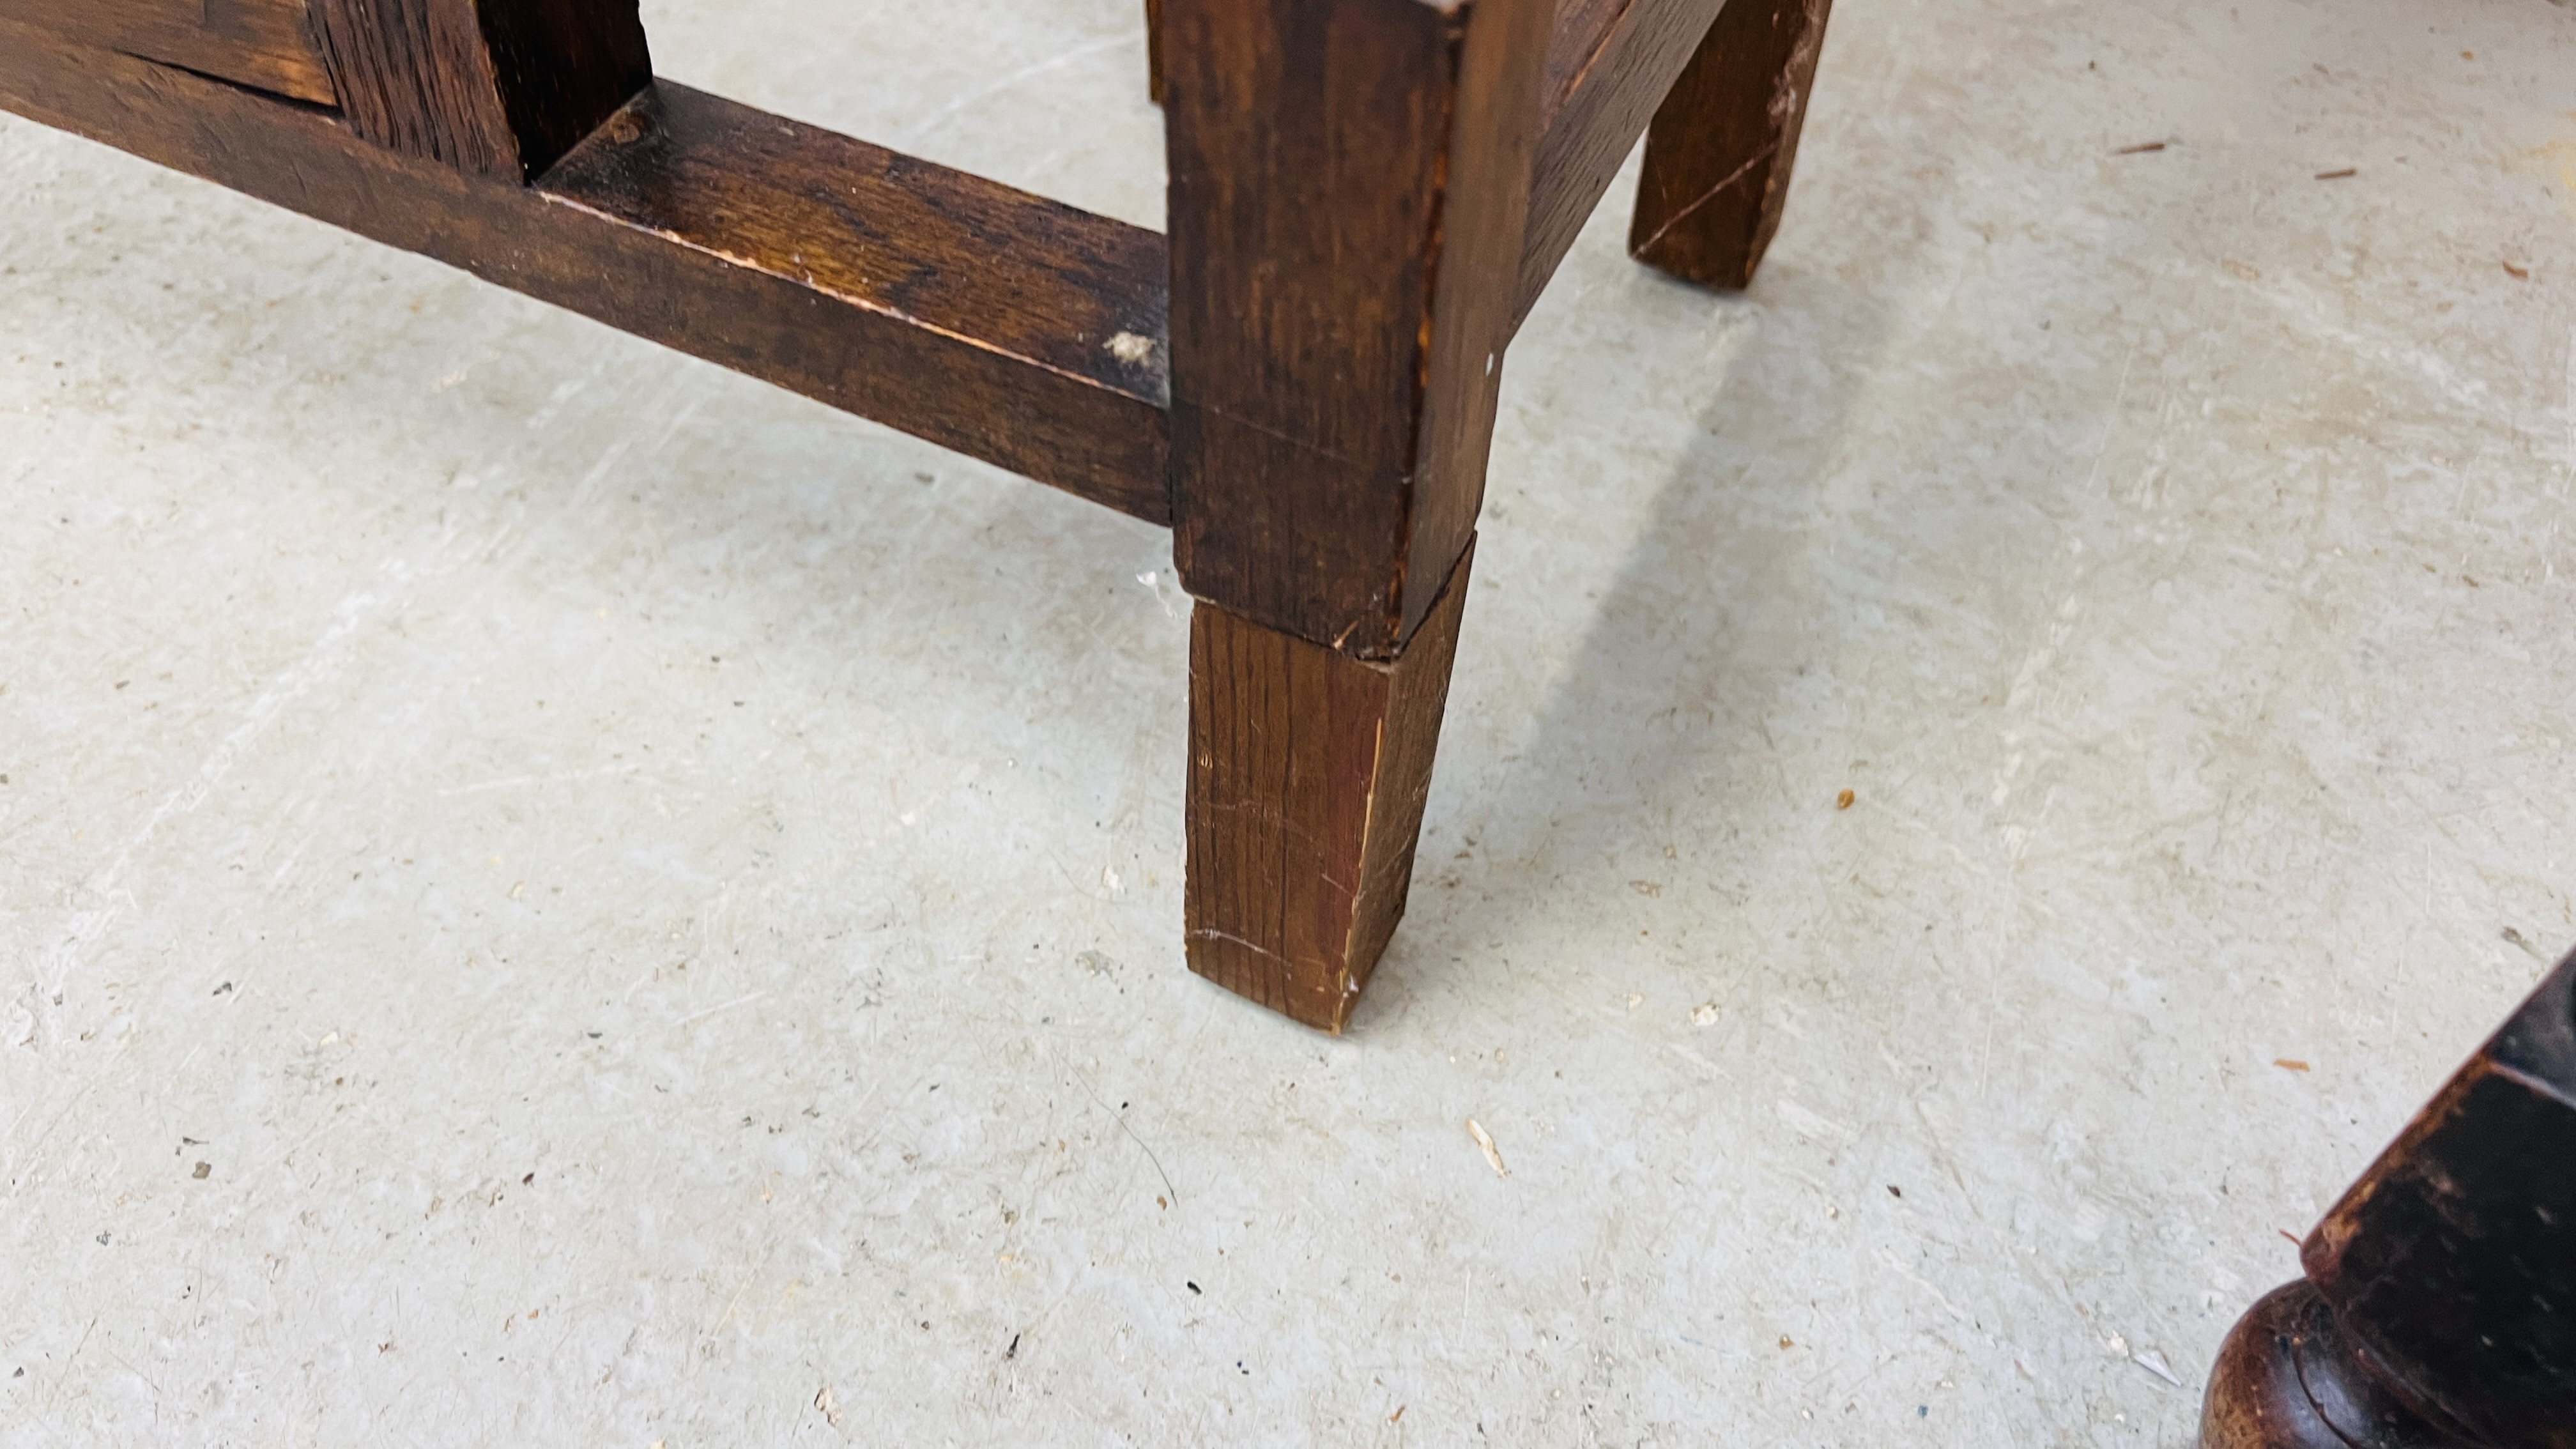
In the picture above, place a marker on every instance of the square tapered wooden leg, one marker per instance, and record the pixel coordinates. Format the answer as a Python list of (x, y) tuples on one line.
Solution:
[(1308, 772), (1719, 152)]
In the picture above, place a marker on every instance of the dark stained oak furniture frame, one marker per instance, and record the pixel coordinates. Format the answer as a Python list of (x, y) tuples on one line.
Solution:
[(2438, 1310), (1299, 379)]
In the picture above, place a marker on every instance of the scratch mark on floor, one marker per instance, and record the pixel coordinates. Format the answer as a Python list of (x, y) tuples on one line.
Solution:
[(320, 659)]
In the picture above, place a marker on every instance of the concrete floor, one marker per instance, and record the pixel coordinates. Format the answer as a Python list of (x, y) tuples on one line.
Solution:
[(553, 895)]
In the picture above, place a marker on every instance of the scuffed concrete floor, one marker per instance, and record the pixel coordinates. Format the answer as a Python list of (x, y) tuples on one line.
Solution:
[(657, 904)]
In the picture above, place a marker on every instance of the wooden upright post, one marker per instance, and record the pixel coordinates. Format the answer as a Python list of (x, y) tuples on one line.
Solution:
[(1349, 196), (495, 88)]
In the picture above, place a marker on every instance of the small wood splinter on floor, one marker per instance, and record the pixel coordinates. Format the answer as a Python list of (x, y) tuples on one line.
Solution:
[(2154, 1363), (2290, 1064), (2140, 149), (2337, 175), (1485, 1144)]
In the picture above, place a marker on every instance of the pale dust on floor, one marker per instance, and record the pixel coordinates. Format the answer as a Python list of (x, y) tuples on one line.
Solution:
[(550, 894)]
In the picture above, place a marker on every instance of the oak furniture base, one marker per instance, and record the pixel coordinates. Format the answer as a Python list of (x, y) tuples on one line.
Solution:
[(1298, 377)]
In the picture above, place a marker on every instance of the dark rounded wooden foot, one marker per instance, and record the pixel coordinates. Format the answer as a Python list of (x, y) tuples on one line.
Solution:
[(2286, 1379)]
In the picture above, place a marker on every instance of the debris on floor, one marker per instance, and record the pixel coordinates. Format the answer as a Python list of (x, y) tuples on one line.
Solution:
[(2154, 1363)]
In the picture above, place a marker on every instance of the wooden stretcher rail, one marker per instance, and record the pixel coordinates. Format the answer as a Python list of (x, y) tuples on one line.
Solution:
[(999, 324), (264, 44)]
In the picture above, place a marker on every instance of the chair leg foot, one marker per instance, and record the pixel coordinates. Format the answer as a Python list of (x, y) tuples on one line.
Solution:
[(2287, 1378), (1719, 152), (1308, 772)]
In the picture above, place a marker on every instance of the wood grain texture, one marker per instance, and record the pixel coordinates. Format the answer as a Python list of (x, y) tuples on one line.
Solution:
[(1574, 40), (1345, 175), (1493, 144), (1593, 127), (1721, 148), (263, 44), (1002, 324), (980, 318), (495, 88), (2439, 1306), (1308, 773)]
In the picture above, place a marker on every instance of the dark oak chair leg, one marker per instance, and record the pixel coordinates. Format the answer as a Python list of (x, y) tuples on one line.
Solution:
[(1349, 196), (1308, 772), (1719, 151), (2439, 1306)]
